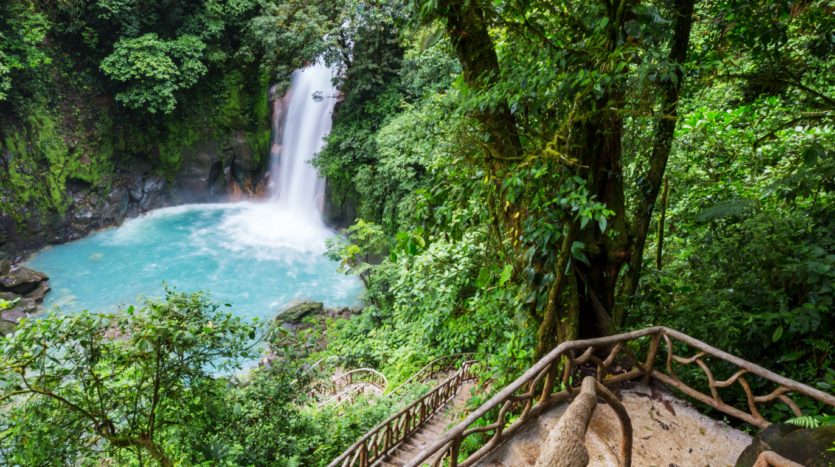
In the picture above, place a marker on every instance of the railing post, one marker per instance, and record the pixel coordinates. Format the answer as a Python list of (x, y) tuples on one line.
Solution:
[(454, 451), (653, 352), (363, 460), (551, 379), (388, 437)]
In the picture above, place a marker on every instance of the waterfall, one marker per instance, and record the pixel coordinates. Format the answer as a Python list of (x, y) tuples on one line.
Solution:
[(299, 124), (291, 219)]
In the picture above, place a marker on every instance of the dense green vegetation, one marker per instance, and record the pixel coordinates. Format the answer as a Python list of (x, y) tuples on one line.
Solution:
[(524, 210), (532, 172)]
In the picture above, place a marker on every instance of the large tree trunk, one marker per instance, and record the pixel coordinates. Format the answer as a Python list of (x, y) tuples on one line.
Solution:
[(664, 132), (600, 304), (476, 52)]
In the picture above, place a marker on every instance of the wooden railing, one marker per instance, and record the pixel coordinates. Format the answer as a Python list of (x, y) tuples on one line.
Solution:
[(346, 398), (367, 376), (435, 367), (534, 391), (385, 437)]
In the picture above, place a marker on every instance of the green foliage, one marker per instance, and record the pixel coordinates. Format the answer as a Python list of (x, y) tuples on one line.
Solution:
[(285, 36), (364, 238), (22, 29), (95, 385), (155, 69), (808, 421)]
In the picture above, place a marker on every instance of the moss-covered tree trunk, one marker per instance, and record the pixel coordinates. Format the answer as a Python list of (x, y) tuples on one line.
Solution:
[(664, 133)]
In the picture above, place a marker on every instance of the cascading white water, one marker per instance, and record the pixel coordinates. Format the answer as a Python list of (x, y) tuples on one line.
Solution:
[(299, 126), (291, 219)]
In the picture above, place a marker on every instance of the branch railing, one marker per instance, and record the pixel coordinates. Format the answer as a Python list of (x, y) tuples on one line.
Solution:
[(366, 376), (435, 367), (388, 435), (534, 391)]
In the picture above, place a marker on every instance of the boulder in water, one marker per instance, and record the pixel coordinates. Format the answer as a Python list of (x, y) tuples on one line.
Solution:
[(22, 280), (5, 267), (296, 313), (39, 294), (809, 447)]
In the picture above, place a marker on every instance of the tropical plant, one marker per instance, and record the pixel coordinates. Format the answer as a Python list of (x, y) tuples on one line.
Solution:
[(155, 70), (88, 386)]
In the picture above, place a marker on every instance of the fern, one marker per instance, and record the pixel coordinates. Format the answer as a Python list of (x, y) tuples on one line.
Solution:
[(289, 461), (822, 345), (806, 421), (809, 421), (726, 209)]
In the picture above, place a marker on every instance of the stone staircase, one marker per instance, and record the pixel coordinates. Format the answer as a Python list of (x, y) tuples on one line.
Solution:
[(432, 429)]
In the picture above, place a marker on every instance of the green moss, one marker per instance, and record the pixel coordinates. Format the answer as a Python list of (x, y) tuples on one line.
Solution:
[(260, 139), (48, 148)]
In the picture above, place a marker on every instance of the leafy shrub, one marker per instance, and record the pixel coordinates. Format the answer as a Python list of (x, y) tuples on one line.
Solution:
[(155, 69)]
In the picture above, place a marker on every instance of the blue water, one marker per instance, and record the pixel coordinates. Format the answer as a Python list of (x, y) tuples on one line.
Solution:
[(253, 255)]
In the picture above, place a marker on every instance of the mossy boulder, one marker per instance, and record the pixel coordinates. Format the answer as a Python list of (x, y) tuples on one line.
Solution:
[(5, 267), (296, 313), (808, 447), (22, 280)]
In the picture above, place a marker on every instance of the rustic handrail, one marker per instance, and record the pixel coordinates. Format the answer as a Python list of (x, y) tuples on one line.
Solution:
[(771, 458), (546, 371), (360, 375), (348, 394), (432, 368), (386, 436)]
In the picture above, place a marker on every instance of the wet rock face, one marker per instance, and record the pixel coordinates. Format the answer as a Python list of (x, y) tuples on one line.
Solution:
[(134, 186), (809, 447), (135, 189)]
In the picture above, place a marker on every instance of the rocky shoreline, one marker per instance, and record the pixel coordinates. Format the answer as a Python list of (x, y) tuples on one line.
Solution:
[(22, 291), (304, 315)]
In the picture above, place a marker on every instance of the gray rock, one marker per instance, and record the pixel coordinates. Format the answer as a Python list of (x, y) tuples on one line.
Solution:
[(9, 296), (22, 280), (83, 215), (296, 313), (809, 447), (9, 319), (153, 188), (149, 201), (154, 184), (28, 305), (14, 315), (39, 294), (5, 267), (135, 189)]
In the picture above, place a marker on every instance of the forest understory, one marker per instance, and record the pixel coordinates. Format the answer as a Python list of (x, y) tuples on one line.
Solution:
[(523, 173)]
